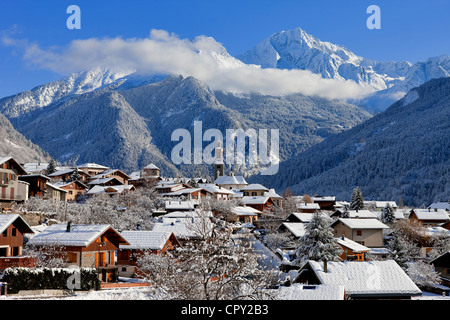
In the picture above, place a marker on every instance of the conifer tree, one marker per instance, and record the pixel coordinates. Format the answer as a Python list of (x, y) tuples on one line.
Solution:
[(387, 215), (357, 200), (318, 242)]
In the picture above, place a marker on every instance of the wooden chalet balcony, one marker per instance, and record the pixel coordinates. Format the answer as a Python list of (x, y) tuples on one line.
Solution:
[(18, 261)]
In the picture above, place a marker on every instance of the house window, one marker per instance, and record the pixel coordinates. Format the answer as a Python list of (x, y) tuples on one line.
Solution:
[(5, 233), (14, 232), (71, 257), (359, 232), (253, 194)]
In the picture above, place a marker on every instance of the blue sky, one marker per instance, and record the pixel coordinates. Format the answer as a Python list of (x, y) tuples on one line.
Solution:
[(410, 30)]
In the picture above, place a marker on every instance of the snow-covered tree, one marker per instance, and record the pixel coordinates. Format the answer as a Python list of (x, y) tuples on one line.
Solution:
[(357, 200), (423, 274), (399, 249), (387, 214), (221, 267), (318, 243), (51, 168)]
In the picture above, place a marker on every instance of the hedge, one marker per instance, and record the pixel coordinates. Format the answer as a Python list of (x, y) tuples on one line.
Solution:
[(50, 278)]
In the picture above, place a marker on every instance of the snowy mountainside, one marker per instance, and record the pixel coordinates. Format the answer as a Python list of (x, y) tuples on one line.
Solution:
[(15, 145), (128, 124), (401, 152), (46, 94)]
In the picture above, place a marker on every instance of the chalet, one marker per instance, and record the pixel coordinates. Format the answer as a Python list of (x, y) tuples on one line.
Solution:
[(351, 250), (243, 214), (37, 184), (219, 192), (324, 202), (231, 182), (12, 230), (150, 172), (110, 190), (92, 169), (167, 186), (105, 182), (276, 198), (113, 173), (74, 189), (254, 190), (89, 246), (260, 203), (430, 217), (12, 189), (140, 243), (442, 266), (368, 232), (55, 193), (66, 175), (354, 214), (361, 279), (307, 207)]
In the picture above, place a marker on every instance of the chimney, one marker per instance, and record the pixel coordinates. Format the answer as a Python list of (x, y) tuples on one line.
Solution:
[(325, 266), (69, 226)]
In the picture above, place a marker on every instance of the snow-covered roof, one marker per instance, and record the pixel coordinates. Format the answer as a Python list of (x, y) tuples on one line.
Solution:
[(145, 239), (103, 180), (233, 180), (211, 187), (180, 205), (56, 187), (97, 189), (80, 235), (354, 246), (61, 172), (428, 214), (7, 219), (298, 229), (299, 291), (151, 166), (440, 205), (302, 217), (93, 166), (323, 198), (360, 214), (362, 223), (255, 199), (367, 278), (255, 186), (107, 172), (182, 228), (309, 206), (245, 211), (272, 194)]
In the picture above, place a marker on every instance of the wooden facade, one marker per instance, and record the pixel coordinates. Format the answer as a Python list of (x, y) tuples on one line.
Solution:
[(37, 184), (11, 189), (11, 241)]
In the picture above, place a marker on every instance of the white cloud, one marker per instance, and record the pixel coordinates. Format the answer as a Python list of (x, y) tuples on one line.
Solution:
[(203, 58)]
